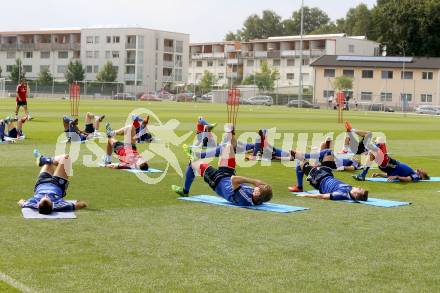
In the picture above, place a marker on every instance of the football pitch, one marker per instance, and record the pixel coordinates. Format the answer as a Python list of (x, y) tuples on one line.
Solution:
[(137, 237)]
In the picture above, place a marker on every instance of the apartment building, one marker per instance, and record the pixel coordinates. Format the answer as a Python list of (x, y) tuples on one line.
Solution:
[(233, 61), (145, 58), (391, 81)]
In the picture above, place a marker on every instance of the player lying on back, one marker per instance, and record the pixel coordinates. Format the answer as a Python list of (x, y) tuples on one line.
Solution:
[(128, 156), (322, 179), (262, 149), (51, 186), (225, 182), (9, 129), (325, 158), (203, 133), (92, 123), (391, 168)]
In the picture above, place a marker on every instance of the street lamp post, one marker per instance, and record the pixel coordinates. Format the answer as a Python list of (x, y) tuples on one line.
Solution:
[(300, 95)]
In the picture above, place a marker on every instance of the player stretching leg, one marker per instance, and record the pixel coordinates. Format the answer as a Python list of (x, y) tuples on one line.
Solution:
[(92, 123)]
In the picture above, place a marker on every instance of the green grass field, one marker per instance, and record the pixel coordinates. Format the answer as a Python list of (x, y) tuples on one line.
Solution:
[(136, 237)]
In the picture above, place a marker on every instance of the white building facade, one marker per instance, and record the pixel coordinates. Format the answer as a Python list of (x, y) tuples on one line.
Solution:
[(145, 58), (231, 62)]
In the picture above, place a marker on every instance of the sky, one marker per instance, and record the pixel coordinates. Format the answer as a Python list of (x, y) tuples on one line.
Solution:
[(204, 20)]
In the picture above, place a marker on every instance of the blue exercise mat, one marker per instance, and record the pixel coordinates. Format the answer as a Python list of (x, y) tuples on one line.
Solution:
[(29, 213), (377, 202), (385, 180), (270, 207)]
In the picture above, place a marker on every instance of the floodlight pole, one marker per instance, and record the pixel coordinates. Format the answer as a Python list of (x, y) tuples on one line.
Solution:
[(300, 95)]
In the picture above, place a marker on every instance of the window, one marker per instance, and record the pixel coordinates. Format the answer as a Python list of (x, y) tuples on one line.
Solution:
[(406, 75), (367, 74), (405, 97), (44, 68), (179, 46), (426, 98), (210, 63), (108, 39), (348, 72), (95, 69), (428, 75), (328, 94), (290, 62), (89, 54), (387, 74), (61, 69), (250, 63), (115, 54), (108, 54), (306, 61), (27, 68), (89, 40), (221, 63), (63, 54), (116, 39), (276, 62), (221, 75), (96, 40), (351, 48), (199, 63), (386, 97), (96, 54), (45, 54), (28, 55), (89, 69), (329, 73), (290, 76), (178, 61), (157, 44), (10, 55), (77, 54), (366, 96)]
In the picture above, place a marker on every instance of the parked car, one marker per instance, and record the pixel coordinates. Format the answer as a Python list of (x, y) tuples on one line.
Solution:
[(380, 107), (150, 97), (185, 97), (205, 98), (427, 109), (259, 100), (124, 96), (302, 104)]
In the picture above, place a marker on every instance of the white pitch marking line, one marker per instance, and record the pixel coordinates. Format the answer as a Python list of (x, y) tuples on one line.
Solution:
[(14, 283)]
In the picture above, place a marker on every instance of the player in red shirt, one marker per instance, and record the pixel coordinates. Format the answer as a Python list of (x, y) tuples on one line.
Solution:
[(21, 98), (129, 157)]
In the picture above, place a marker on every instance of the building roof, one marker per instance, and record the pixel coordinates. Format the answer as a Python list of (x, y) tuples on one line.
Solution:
[(307, 38), (378, 62), (215, 43)]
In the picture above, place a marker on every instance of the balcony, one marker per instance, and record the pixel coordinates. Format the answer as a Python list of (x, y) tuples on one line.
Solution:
[(234, 61), (249, 54), (273, 54), (129, 76), (75, 46), (130, 45), (59, 46), (8, 46), (168, 63), (130, 61), (317, 52), (26, 46), (43, 46), (260, 54), (168, 49), (288, 53)]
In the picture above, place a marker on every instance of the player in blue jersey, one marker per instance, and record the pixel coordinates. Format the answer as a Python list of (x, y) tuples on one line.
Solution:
[(329, 187), (50, 189), (10, 129), (225, 182), (397, 171), (141, 127), (325, 158)]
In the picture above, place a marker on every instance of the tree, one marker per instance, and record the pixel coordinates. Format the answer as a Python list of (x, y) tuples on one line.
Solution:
[(231, 36), (358, 21), (107, 73), (343, 83), (207, 81), (314, 18), (408, 27), (264, 79), (17, 72), (75, 72), (44, 77), (256, 27)]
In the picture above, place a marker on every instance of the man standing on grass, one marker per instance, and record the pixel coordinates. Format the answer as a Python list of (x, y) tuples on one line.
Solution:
[(21, 98), (50, 189), (224, 180)]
